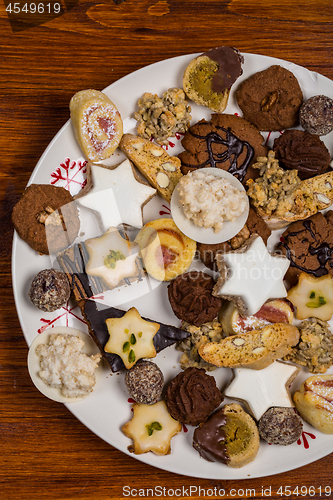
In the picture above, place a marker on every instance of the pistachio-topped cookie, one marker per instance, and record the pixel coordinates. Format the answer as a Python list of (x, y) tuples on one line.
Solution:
[(131, 337)]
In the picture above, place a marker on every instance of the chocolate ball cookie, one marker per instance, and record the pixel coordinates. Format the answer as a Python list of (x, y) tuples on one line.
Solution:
[(191, 298), (316, 115), (308, 244), (49, 290), (192, 396), (297, 149), (227, 142), (46, 218), (270, 99), (280, 425), (144, 382)]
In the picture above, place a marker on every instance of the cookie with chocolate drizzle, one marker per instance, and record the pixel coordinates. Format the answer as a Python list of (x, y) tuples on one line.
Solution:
[(308, 244), (227, 142)]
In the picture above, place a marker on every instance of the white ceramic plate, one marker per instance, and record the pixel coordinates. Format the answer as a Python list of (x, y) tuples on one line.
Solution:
[(107, 409)]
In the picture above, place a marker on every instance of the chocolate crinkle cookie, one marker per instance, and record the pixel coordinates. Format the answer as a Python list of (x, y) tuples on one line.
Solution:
[(192, 396), (191, 298), (305, 152), (49, 290), (316, 115), (280, 425), (144, 382)]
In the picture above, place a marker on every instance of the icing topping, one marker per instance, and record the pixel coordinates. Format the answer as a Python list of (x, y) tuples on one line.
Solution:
[(261, 389), (117, 196), (313, 297), (96, 316), (111, 257), (131, 337), (151, 429), (254, 268)]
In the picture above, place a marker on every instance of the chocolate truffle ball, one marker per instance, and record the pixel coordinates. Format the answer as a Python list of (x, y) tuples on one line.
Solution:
[(280, 425), (316, 115), (144, 382), (49, 290)]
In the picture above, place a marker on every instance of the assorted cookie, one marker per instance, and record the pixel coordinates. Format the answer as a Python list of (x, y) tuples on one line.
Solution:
[(270, 99), (236, 319), (97, 123), (226, 141), (208, 78), (46, 218)]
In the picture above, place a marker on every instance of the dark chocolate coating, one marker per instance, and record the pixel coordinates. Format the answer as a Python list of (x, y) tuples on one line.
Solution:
[(209, 438), (96, 315), (229, 61)]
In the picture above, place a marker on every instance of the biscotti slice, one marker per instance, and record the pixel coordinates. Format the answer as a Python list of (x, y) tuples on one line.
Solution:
[(256, 349), (229, 436), (157, 166)]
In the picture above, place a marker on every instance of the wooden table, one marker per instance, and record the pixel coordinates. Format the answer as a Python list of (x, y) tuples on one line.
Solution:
[(45, 453)]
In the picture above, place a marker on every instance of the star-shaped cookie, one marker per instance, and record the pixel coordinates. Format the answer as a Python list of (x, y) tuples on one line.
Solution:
[(250, 275), (131, 337), (151, 429), (111, 257), (117, 195), (262, 389)]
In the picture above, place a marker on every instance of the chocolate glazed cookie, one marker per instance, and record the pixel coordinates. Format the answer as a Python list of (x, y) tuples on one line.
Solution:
[(227, 142)]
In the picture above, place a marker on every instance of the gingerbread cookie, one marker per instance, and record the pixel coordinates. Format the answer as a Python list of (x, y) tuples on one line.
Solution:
[(46, 218), (270, 99), (226, 141), (297, 149), (308, 244)]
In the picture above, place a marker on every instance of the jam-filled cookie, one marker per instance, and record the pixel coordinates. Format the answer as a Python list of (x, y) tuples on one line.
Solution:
[(226, 141)]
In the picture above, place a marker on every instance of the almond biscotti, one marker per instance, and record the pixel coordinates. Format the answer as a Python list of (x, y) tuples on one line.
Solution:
[(256, 349), (158, 167)]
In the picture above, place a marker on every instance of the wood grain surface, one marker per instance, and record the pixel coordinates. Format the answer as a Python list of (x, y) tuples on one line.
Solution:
[(45, 453)]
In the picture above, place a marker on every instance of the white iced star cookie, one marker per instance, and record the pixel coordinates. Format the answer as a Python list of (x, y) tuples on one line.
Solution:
[(262, 389), (131, 337), (117, 194), (151, 429), (250, 275), (111, 257)]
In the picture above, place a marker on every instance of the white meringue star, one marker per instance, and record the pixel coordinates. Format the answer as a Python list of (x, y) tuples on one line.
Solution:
[(117, 195), (262, 389), (254, 275)]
